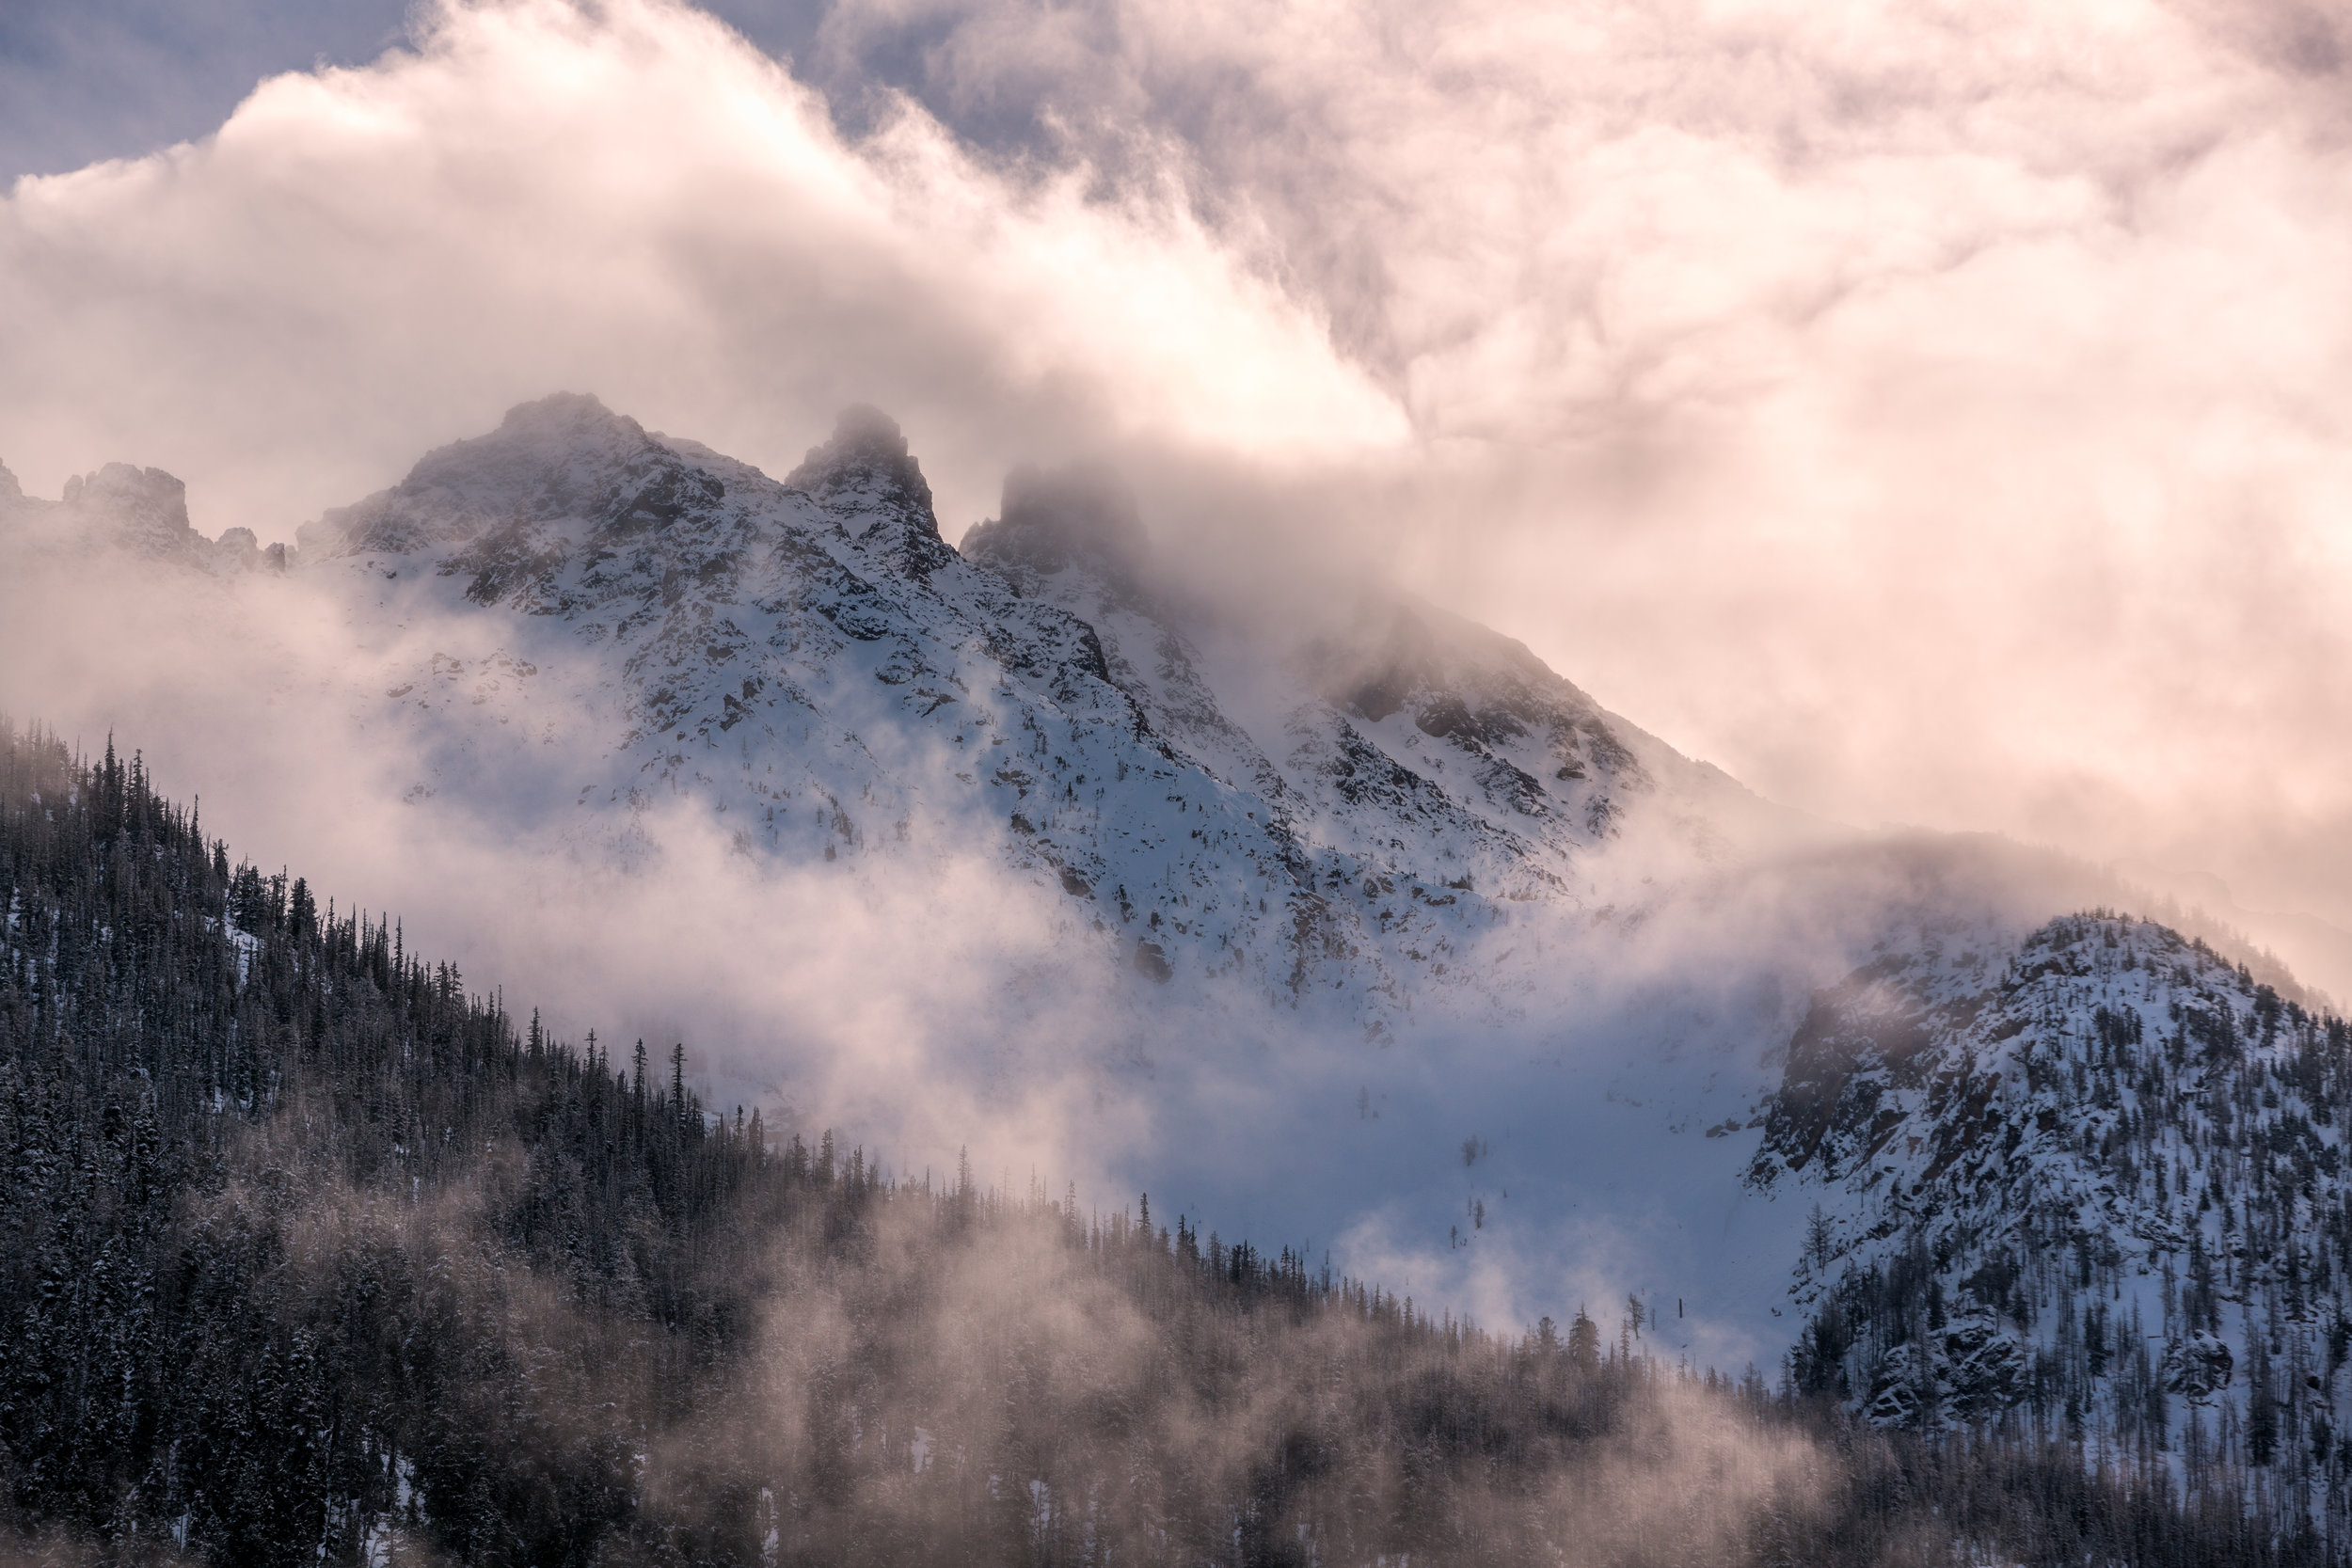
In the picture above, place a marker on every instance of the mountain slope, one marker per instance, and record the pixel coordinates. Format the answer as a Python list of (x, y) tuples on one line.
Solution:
[(308, 1255), (1287, 836), (2099, 1179), (809, 659)]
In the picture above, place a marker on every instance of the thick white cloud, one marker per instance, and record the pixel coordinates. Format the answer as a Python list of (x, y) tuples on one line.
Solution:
[(364, 262), (1931, 413), (1927, 413)]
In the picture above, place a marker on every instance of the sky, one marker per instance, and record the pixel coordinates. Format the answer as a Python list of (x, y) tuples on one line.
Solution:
[(1931, 414)]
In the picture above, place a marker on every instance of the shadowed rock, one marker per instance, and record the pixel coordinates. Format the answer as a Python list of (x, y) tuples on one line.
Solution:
[(1055, 518)]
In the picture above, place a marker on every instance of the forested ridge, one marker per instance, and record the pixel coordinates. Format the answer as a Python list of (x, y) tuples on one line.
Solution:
[(309, 1253), (2095, 1186)]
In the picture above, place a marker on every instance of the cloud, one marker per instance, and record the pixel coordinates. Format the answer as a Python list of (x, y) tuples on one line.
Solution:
[(365, 263), (1932, 417), (370, 730), (923, 1000)]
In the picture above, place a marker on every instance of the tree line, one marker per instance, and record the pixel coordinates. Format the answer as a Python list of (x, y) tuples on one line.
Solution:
[(309, 1252)]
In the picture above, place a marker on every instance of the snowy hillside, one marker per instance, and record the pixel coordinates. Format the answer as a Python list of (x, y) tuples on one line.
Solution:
[(2101, 1174)]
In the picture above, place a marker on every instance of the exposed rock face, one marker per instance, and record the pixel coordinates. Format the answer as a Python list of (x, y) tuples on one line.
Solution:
[(142, 510), (1860, 1047), (1968, 1370), (866, 478)]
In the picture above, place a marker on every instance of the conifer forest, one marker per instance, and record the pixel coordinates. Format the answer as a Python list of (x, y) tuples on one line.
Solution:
[(312, 1249)]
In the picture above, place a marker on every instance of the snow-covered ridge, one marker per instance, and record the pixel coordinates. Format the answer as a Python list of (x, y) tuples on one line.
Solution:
[(808, 659), (2102, 1173)]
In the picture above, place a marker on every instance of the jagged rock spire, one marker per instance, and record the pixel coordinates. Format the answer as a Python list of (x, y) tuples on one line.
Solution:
[(866, 471), (147, 507), (1053, 518), (867, 452)]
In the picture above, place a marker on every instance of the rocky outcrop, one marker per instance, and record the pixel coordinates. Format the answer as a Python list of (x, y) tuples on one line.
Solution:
[(141, 510), (138, 512), (866, 478)]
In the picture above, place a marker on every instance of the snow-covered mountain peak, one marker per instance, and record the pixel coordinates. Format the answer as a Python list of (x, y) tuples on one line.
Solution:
[(559, 425), (1083, 516), (2089, 1163), (869, 481), (569, 620), (550, 465), (1232, 789), (866, 458)]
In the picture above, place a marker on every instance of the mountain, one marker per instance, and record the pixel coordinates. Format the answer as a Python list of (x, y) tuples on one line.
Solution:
[(1554, 1007), (809, 659), (308, 1255), (141, 511)]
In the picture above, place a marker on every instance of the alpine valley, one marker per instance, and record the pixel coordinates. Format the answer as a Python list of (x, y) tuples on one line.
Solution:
[(1321, 913)]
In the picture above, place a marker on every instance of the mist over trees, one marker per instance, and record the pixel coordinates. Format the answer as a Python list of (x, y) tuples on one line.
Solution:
[(309, 1252)]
